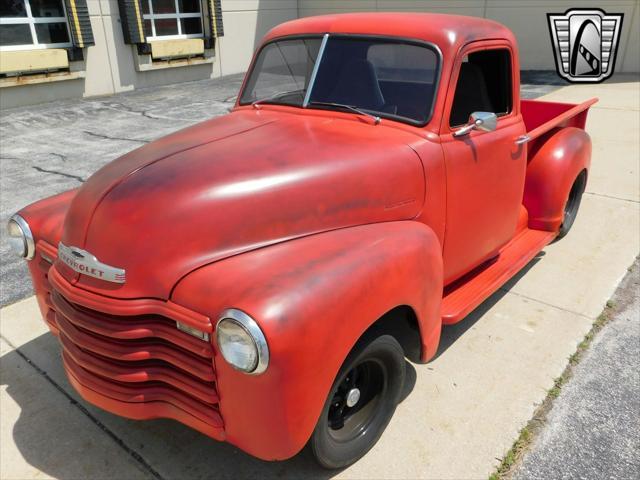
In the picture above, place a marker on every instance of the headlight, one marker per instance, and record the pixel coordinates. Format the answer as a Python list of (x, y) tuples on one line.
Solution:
[(241, 342), (20, 237)]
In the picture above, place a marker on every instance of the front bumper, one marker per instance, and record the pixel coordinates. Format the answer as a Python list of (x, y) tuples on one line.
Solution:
[(127, 356)]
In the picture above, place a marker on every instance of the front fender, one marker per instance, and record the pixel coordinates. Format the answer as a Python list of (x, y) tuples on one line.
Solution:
[(313, 298), (46, 217)]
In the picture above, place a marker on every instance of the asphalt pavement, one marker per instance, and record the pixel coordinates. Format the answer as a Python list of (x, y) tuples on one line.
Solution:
[(593, 428), (50, 148)]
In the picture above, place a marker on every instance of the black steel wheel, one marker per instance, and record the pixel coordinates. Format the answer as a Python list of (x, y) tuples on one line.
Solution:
[(573, 204), (361, 403)]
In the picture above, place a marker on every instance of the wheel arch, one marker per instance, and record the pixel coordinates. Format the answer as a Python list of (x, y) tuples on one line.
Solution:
[(582, 176), (401, 323)]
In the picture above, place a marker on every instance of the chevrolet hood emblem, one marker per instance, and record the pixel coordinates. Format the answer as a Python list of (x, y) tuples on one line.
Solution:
[(87, 264)]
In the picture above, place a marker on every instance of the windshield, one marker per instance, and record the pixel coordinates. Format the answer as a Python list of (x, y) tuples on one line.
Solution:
[(381, 76)]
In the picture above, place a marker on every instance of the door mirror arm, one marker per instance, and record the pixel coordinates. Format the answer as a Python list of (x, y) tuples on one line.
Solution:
[(485, 121)]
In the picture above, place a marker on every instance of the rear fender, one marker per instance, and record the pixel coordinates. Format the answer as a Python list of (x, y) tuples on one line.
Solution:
[(313, 298), (553, 168)]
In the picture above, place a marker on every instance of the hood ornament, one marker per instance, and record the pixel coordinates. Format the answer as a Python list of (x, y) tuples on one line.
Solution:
[(86, 263)]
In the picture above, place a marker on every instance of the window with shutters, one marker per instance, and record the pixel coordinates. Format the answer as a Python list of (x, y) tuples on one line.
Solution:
[(32, 24), (172, 19)]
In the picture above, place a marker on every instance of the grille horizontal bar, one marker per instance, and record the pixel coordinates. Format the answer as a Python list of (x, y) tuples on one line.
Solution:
[(137, 359), (130, 328), (148, 393), (129, 357), (132, 350)]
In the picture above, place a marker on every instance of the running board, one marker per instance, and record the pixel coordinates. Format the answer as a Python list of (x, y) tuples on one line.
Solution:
[(466, 294)]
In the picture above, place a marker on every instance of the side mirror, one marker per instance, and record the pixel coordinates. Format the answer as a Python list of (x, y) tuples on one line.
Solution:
[(485, 121)]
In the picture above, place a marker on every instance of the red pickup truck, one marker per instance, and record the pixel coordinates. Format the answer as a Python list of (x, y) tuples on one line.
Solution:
[(262, 276)]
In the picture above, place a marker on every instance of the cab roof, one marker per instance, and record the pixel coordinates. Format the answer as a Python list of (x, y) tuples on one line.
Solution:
[(449, 32)]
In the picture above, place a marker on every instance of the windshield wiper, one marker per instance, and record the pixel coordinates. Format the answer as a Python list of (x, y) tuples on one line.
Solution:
[(275, 96), (375, 118)]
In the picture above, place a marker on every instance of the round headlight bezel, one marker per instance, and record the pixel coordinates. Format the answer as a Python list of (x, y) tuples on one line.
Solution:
[(29, 245), (249, 325)]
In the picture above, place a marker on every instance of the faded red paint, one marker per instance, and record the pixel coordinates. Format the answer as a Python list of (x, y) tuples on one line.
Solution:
[(314, 222)]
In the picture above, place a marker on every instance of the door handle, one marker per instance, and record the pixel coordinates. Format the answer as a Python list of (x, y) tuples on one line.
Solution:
[(522, 139)]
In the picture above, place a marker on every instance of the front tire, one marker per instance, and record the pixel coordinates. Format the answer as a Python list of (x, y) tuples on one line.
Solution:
[(573, 204), (360, 404)]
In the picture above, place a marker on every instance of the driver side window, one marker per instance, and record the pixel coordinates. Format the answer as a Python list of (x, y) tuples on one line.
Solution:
[(484, 85)]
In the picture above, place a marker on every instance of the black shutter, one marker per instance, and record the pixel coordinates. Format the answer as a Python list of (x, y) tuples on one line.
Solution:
[(132, 23), (215, 18), (79, 23)]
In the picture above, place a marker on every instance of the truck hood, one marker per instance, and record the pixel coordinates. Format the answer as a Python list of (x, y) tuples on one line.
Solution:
[(236, 183)]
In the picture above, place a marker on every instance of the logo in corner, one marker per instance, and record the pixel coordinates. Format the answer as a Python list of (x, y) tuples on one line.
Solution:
[(84, 262), (585, 43)]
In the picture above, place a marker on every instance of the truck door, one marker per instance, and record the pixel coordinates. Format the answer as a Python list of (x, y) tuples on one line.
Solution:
[(485, 170)]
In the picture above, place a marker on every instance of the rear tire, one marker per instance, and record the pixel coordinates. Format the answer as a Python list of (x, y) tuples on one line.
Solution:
[(573, 204), (360, 404)]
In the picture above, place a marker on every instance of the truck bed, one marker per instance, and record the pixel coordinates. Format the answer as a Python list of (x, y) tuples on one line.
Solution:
[(541, 117)]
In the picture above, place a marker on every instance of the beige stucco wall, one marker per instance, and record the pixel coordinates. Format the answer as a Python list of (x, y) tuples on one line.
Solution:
[(527, 18), (245, 23), (109, 66)]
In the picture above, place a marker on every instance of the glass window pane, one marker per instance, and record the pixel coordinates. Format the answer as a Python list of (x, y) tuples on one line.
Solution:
[(189, 6), (145, 7), (164, 6), (389, 78), (282, 72), (12, 8), (484, 84), (15, 35), (402, 62), (46, 8), (52, 33), (191, 26), (147, 28), (166, 26)]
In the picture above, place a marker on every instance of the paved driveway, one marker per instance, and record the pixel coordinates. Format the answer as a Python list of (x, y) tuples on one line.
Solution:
[(461, 412)]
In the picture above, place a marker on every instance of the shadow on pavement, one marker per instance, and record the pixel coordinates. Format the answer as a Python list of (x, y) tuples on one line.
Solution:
[(46, 441), (451, 333)]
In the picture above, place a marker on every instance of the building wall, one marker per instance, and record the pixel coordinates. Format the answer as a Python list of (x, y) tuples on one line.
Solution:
[(245, 23), (110, 66), (527, 18)]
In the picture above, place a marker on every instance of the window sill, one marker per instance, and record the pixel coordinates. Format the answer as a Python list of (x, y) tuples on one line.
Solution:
[(174, 54), (36, 78), (20, 62), (173, 63), (182, 48)]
